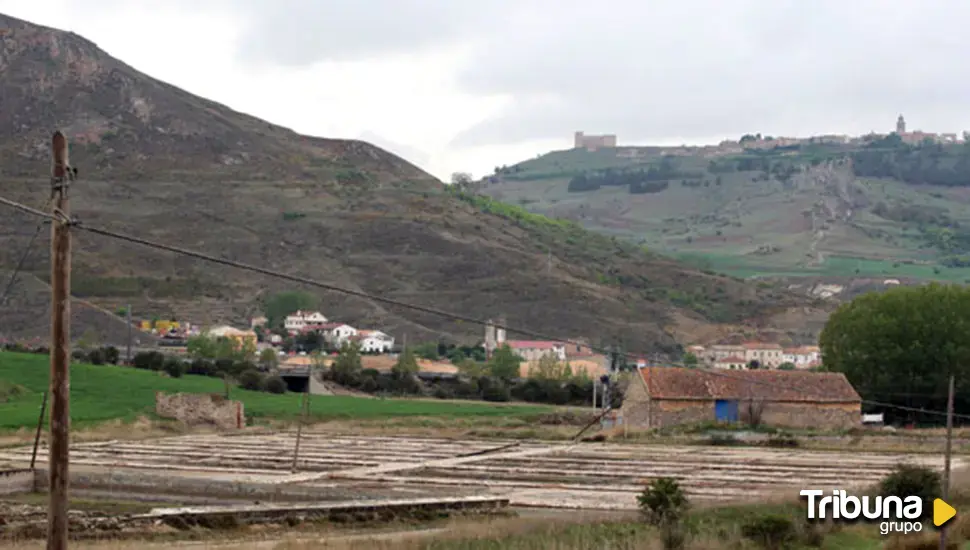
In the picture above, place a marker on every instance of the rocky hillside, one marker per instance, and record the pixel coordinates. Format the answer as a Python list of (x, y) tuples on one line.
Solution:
[(879, 209), (161, 163)]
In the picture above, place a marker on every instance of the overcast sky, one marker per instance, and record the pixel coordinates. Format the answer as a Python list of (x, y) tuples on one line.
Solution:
[(467, 85)]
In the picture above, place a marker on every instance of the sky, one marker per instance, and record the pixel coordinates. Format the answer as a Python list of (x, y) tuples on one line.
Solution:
[(468, 86)]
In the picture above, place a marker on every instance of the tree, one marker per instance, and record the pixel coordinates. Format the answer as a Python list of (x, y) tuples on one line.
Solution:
[(548, 368), (906, 340), (251, 380), (471, 368), (787, 365), (461, 180), (504, 363), (406, 365), (690, 360), (281, 304), (754, 364), (268, 358), (346, 369)]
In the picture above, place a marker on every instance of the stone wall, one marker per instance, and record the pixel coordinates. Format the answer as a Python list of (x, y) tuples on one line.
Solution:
[(200, 409), (16, 481), (668, 412)]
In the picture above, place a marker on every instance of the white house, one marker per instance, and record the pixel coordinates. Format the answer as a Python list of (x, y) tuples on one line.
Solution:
[(373, 341), (803, 357), (767, 355), (296, 322), (533, 350), (337, 333)]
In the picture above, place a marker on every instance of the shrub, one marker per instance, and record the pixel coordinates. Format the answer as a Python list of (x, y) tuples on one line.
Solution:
[(782, 441), (96, 357), (662, 502), (148, 360), (174, 367), (719, 440), (251, 380), (770, 531), (496, 393), (111, 355), (201, 367), (275, 384), (909, 480)]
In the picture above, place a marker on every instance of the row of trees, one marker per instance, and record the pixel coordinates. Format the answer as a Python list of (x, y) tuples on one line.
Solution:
[(901, 346)]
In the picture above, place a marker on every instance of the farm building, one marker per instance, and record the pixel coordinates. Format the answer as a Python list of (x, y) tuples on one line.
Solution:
[(668, 396)]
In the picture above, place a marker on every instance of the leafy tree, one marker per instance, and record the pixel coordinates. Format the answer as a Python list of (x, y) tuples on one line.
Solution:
[(275, 384), (251, 380), (787, 365), (406, 365), (902, 345), (504, 363), (268, 358), (174, 367), (754, 364), (457, 356), (427, 350), (690, 360), (548, 368), (471, 368), (461, 180), (279, 305), (663, 501), (346, 369), (908, 480)]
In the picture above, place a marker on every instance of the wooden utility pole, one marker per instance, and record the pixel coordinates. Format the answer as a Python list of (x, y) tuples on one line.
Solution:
[(128, 317), (40, 426), (60, 385), (947, 455), (299, 427)]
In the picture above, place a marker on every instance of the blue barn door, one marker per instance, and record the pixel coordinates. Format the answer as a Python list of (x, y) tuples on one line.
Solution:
[(725, 410)]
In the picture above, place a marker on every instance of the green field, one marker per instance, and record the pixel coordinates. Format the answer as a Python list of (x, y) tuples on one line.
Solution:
[(802, 213), (103, 393)]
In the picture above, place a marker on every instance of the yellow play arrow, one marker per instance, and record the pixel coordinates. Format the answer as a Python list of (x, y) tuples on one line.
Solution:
[(942, 512)]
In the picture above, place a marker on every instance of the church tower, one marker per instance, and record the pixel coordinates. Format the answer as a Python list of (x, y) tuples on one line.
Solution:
[(900, 125)]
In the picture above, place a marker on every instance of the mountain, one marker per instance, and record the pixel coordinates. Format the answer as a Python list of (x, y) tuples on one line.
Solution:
[(158, 162), (848, 213)]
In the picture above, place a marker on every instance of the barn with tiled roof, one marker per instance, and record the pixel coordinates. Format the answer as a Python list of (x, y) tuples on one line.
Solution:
[(668, 396)]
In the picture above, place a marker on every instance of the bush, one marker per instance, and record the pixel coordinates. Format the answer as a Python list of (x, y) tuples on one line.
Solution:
[(663, 502), (442, 392), (719, 440), (111, 355), (148, 360), (493, 389), (908, 480), (174, 367), (782, 441), (201, 367), (275, 384), (96, 357), (770, 531), (251, 379)]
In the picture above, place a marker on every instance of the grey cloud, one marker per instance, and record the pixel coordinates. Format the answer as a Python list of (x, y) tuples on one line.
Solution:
[(649, 70), (697, 68)]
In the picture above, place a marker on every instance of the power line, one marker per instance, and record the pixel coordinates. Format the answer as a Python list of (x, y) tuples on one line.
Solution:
[(390, 301), (20, 264)]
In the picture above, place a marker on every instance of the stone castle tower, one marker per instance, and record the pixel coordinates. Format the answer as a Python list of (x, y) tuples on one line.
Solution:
[(900, 125)]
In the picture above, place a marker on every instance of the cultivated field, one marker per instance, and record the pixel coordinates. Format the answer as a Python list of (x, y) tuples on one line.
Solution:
[(603, 476)]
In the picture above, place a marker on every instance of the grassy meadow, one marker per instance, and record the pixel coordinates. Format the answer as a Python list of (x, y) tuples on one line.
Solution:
[(107, 393)]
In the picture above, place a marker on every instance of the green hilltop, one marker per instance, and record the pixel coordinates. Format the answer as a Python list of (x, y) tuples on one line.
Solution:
[(876, 207)]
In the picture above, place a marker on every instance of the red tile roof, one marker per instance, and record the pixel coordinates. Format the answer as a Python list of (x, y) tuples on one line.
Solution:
[(760, 345), (769, 385), (532, 344)]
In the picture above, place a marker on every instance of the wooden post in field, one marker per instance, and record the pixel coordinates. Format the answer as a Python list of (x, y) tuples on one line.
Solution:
[(40, 426), (947, 455), (305, 406), (61, 176)]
